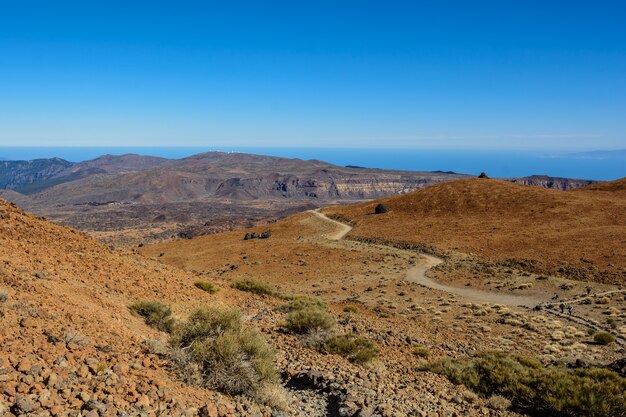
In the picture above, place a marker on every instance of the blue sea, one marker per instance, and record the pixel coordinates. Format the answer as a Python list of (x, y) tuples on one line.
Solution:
[(599, 165)]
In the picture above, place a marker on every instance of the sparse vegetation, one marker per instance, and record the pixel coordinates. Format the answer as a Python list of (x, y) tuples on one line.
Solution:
[(302, 302), (155, 314), (207, 286), (307, 315), (308, 319), (4, 296), (603, 338), (421, 351), (253, 286), (351, 309), (356, 348), (215, 349), (537, 390), (498, 402)]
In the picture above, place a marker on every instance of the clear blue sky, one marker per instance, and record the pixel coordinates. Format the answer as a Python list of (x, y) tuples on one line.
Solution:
[(417, 74)]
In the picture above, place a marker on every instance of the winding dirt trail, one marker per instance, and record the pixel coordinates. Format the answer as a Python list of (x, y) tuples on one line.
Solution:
[(417, 274), (344, 229)]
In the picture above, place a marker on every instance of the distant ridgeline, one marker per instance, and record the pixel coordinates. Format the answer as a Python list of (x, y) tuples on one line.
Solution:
[(133, 177)]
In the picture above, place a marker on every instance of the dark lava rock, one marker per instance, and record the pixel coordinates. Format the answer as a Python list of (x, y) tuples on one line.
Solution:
[(483, 175), (380, 209)]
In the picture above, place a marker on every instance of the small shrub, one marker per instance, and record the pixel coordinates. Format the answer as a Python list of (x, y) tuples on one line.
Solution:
[(603, 338), (4, 296), (308, 315), (315, 339), (421, 351), (351, 309), (155, 314), (356, 348), (498, 402), (537, 390), (612, 323), (252, 286), (302, 302), (206, 286), (308, 319), (215, 349)]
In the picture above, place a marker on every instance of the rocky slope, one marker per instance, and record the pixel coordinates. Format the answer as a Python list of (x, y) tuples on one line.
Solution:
[(71, 347)]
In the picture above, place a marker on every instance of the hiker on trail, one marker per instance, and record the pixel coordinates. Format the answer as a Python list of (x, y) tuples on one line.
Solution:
[(588, 290), (562, 307), (570, 309)]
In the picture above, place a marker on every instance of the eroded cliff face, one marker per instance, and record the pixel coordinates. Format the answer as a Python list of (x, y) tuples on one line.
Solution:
[(556, 183), (351, 187)]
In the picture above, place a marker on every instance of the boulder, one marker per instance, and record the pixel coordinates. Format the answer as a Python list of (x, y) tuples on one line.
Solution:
[(380, 209)]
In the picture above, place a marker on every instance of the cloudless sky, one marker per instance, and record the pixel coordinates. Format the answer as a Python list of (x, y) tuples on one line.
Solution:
[(415, 74)]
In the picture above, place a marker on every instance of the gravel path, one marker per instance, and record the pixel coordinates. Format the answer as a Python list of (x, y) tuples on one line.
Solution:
[(417, 274)]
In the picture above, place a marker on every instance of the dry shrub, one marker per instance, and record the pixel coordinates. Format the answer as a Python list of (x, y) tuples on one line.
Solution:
[(4, 296), (537, 390), (498, 402), (603, 338), (315, 339), (215, 349), (308, 314), (302, 302), (253, 286), (308, 319), (351, 309), (421, 351), (206, 286), (155, 314), (357, 349)]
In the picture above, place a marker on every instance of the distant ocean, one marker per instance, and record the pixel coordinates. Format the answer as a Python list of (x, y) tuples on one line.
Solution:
[(599, 165)]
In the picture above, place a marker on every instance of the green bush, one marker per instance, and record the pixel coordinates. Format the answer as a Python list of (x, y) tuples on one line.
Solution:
[(421, 351), (603, 338), (307, 315), (215, 349), (351, 309), (207, 286), (537, 390), (308, 320), (155, 314), (356, 348), (252, 286)]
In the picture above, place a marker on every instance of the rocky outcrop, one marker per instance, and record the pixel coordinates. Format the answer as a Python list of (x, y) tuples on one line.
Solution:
[(556, 183)]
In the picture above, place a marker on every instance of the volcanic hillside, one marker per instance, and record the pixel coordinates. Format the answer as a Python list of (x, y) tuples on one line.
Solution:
[(70, 345), (579, 234)]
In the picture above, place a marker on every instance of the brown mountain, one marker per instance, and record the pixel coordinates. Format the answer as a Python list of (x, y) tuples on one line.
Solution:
[(580, 233), (204, 193), (237, 176)]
